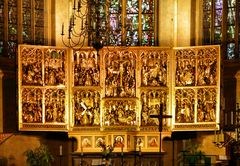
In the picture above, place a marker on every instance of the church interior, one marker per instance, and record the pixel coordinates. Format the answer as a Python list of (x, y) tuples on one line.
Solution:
[(119, 82)]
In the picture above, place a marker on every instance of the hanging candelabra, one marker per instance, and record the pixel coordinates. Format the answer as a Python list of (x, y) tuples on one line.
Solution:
[(95, 23)]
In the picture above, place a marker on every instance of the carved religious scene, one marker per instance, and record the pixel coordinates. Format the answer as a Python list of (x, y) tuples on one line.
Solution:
[(86, 108), (43, 88), (206, 105), (120, 113), (120, 70), (207, 67), (124, 96), (154, 68), (185, 67), (54, 67), (32, 105), (55, 105), (151, 101), (197, 85), (154, 65), (185, 101), (86, 68), (32, 66)]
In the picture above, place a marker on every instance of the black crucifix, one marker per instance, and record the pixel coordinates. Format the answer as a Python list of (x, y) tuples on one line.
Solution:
[(160, 118)]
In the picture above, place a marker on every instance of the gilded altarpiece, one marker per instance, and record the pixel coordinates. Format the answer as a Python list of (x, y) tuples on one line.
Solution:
[(43, 88), (196, 88), (109, 96)]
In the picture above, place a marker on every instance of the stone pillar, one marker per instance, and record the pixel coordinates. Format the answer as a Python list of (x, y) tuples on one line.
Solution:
[(237, 76), (8, 113), (1, 101)]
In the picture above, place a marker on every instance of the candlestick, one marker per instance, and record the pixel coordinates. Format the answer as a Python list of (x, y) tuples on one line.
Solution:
[(140, 152), (184, 145), (62, 28), (222, 136), (225, 119), (215, 136), (60, 150), (81, 151), (236, 133), (122, 150), (79, 6), (74, 4)]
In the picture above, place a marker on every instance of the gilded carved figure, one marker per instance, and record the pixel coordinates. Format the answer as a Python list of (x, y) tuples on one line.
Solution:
[(154, 68), (151, 100), (86, 69), (120, 112), (207, 65), (120, 73), (86, 108), (206, 105), (32, 105), (55, 68), (55, 105), (32, 67), (184, 105), (185, 68)]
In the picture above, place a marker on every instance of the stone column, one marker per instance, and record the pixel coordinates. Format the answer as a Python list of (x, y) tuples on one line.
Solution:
[(1, 101)]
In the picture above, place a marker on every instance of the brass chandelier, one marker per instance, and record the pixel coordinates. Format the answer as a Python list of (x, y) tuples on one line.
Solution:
[(95, 23)]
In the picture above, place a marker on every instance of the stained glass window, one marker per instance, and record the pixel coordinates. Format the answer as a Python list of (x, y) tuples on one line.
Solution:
[(212, 21), (39, 22), (33, 21), (215, 31), (218, 21), (207, 17), (148, 23), (27, 17), (115, 22), (12, 28), (231, 7), (131, 22)]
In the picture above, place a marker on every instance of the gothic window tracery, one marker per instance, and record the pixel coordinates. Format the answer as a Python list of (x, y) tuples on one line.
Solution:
[(23, 23), (221, 25), (132, 22)]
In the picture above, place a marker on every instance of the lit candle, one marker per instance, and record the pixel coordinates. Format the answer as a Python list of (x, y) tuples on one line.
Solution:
[(184, 145), (231, 117), (236, 134), (140, 152), (60, 150), (62, 28), (222, 136), (225, 119), (74, 4), (122, 150), (79, 4), (215, 138), (81, 151), (72, 22)]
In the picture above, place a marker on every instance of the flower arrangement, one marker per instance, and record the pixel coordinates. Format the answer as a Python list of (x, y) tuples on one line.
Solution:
[(40, 156), (106, 149)]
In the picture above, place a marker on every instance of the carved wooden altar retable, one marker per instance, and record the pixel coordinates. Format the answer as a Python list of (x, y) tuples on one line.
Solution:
[(110, 96)]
